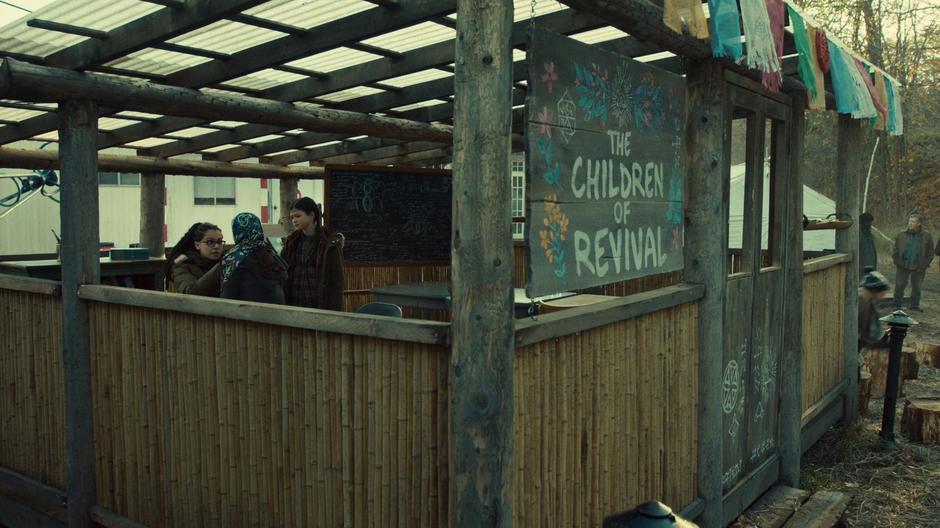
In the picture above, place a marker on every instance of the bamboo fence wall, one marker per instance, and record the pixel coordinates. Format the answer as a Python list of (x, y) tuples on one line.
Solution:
[(203, 421), (32, 386), (823, 302), (605, 419)]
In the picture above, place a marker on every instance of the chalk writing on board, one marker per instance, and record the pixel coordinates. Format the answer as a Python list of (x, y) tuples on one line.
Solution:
[(390, 216), (605, 167), (737, 377)]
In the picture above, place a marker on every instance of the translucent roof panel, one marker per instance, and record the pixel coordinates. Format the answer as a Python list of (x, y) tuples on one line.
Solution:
[(149, 142), (416, 78), (226, 36), (422, 104), (352, 93), (103, 15), (412, 37), (17, 114), (268, 137), (333, 60), (142, 115), (220, 148), (265, 79), (228, 124), (192, 132), (110, 123), (157, 62), (307, 14), (522, 9), (599, 35)]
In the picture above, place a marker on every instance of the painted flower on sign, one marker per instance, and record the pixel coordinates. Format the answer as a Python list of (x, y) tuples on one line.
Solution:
[(545, 120), (552, 173), (553, 234), (567, 116), (592, 86), (649, 110), (550, 76)]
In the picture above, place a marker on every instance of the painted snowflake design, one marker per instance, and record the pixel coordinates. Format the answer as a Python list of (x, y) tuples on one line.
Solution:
[(567, 114), (765, 378), (621, 105), (730, 385)]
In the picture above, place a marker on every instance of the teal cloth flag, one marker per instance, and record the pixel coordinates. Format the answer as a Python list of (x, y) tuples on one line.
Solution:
[(724, 21), (843, 87), (801, 39), (895, 121)]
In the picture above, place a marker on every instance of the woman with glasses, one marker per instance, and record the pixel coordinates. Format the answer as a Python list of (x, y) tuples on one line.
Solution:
[(252, 270), (193, 265)]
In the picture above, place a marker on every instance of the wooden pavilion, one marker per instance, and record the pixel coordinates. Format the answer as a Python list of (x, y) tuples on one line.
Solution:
[(700, 387)]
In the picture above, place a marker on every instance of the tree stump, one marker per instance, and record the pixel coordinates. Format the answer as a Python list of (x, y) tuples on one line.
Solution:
[(864, 391), (928, 353), (921, 420), (910, 367), (876, 361)]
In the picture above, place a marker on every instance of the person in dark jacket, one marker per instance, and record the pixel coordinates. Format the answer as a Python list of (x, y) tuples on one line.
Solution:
[(912, 256), (193, 264), (873, 288), (867, 254), (314, 256), (252, 270)]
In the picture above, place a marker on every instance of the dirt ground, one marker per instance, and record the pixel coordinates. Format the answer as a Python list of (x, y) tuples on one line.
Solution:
[(896, 488)]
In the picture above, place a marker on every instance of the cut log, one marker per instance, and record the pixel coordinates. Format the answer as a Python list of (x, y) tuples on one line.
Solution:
[(921, 420), (823, 510), (876, 361), (928, 353), (864, 392), (773, 508), (910, 367)]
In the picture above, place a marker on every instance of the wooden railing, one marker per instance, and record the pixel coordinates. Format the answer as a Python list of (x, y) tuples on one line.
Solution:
[(823, 306)]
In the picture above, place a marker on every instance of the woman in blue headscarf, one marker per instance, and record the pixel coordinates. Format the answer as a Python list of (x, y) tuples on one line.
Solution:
[(252, 270)]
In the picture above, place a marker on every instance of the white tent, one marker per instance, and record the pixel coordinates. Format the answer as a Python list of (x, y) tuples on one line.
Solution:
[(815, 205)]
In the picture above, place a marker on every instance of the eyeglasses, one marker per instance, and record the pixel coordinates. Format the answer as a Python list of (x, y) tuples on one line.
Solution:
[(213, 242)]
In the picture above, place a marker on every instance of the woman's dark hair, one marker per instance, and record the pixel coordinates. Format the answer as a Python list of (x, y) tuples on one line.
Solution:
[(307, 205), (267, 262), (195, 233)]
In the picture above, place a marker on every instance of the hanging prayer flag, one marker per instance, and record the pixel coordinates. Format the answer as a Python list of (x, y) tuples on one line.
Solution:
[(685, 16), (842, 85), (865, 106), (870, 85), (803, 47), (882, 122), (775, 15), (761, 52), (726, 29), (817, 101), (822, 49), (896, 120)]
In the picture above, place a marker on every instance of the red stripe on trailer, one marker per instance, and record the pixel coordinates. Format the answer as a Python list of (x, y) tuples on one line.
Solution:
[(264, 183), (264, 214), (165, 231)]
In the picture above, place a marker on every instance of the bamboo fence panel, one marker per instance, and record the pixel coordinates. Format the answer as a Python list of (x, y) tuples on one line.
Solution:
[(32, 386), (204, 421), (823, 312), (605, 419)]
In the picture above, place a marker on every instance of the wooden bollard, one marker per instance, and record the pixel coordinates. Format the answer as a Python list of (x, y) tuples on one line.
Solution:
[(921, 420), (910, 366), (928, 353)]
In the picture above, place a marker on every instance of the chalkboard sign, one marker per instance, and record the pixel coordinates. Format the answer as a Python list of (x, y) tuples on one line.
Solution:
[(604, 167), (390, 214)]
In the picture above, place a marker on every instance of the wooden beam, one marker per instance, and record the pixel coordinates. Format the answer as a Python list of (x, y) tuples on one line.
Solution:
[(175, 4), (826, 262), (79, 229), (706, 237), (287, 193), (67, 28), (49, 159), (340, 148), (439, 54), (32, 493), (24, 81), (413, 157), (384, 152), (189, 50), (153, 214), (268, 24), (791, 378), (31, 285), (15, 515), (849, 165), (481, 270)]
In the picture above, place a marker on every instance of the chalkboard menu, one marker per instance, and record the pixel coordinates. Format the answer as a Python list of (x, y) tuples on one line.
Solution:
[(390, 214), (604, 167)]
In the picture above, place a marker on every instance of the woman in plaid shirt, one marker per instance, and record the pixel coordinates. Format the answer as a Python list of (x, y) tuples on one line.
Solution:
[(314, 256)]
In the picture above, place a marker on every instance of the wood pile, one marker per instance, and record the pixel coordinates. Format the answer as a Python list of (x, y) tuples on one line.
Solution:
[(921, 420)]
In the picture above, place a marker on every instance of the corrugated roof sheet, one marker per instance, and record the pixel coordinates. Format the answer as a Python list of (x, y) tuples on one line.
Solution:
[(226, 36), (308, 13)]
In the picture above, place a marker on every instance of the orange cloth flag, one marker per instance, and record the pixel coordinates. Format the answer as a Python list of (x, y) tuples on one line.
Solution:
[(881, 123), (819, 101)]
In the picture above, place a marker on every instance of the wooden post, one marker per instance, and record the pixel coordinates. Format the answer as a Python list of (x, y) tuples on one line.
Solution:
[(288, 193), (706, 237), (848, 168), (791, 358), (78, 133), (152, 213), (481, 269)]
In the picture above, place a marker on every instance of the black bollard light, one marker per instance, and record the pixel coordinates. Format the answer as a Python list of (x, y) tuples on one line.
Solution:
[(653, 514), (898, 322)]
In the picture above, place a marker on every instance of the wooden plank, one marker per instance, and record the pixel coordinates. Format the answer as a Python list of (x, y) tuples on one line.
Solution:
[(822, 510), (826, 418), (605, 191), (708, 153), (30, 285), (573, 320), (109, 519), (848, 168), (749, 489), (16, 515), (481, 269), (29, 82), (821, 406), (49, 159), (34, 494), (287, 316), (79, 229), (773, 508), (823, 263)]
